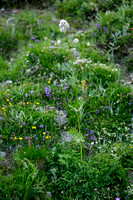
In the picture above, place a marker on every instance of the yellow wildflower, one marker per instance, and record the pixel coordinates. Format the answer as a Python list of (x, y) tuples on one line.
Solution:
[(37, 103), (15, 138), (21, 126), (27, 103), (49, 81), (47, 137), (83, 83), (7, 100), (20, 138), (33, 127), (44, 133)]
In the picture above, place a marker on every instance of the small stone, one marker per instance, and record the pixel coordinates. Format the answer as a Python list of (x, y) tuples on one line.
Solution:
[(66, 137), (3, 154), (49, 195)]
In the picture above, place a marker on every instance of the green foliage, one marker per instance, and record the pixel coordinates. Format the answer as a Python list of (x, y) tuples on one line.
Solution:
[(113, 31), (24, 183), (3, 69), (8, 42), (72, 178), (86, 10), (65, 116)]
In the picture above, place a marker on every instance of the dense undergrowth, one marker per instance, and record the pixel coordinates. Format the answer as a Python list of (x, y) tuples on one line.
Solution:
[(65, 116)]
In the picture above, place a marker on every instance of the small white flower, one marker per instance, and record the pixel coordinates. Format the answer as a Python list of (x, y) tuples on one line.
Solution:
[(76, 40), (73, 49), (28, 70), (63, 26), (58, 42), (88, 44), (8, 82), (62, 29)]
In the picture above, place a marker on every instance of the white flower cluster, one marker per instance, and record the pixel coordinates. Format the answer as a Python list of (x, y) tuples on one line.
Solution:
[(63, 26), (58, 42), (88, 44), (76, 40)]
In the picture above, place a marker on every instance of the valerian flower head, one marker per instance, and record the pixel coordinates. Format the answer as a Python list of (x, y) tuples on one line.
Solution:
[(63, 26)]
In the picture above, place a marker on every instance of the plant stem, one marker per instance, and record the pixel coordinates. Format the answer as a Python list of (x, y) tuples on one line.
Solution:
[(81, 150)]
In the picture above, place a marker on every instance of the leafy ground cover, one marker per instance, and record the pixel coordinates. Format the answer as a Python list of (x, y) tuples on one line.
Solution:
[(65, 116)]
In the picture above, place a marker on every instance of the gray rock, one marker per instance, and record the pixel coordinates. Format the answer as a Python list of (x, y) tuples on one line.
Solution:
[(3, 154), (66, 137), (62, 117)]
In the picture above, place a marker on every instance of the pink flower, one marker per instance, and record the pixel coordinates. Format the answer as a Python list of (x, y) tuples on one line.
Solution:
[(15, 11), (117, 198)]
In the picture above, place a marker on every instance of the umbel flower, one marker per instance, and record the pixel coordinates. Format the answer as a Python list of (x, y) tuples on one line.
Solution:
[(63, 26)]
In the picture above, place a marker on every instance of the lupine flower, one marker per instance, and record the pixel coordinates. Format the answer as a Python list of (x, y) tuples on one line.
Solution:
[(106, 29), (98, 26), (47, 91), (41, 126), (10, 147), (63, 26), (94, 34)]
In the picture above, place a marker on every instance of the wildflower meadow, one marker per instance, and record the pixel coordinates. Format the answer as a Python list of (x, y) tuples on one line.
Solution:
[(66, 100)]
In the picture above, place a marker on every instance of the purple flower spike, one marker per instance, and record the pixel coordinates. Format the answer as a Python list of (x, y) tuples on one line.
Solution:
[(98, 26), (94, 34), (106, 29)]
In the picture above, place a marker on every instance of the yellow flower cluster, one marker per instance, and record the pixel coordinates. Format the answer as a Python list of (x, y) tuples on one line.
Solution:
[(3, 108), (48, 136)]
